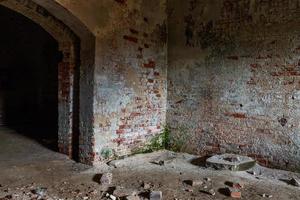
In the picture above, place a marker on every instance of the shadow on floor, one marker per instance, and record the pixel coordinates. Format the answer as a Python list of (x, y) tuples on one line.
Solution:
[(200, 161), (45, 136)]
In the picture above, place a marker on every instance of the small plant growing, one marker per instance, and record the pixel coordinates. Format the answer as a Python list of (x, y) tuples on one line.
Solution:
[(107, 153), (178, 140), (158, 142)]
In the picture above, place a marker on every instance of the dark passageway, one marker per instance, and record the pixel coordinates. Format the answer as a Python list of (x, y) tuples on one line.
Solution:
[(29, 59)]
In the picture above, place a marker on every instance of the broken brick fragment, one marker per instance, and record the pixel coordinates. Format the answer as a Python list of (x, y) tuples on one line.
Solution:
[(235, 193), (193, 182)]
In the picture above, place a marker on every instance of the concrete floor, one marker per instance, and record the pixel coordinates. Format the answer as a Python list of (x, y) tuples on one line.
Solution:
[(27, 167)]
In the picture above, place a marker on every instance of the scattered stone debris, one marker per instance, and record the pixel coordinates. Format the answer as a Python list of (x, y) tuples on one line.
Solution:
[(234, 193), (133, 185), (231, 162), (106, 179), (193, 182), (156, 195), (266, 195), (295, 182)]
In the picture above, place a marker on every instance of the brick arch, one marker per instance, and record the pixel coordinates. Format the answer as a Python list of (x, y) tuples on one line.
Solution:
[(73, 140)]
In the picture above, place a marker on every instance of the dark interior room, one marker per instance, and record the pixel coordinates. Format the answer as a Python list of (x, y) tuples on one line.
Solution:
[(28, 78)]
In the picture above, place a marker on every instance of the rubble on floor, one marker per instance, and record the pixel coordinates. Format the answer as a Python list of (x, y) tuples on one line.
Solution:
[(266, 195), (137, 178)]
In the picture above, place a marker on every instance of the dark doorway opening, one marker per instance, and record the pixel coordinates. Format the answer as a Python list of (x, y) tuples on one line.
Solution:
[(29, 60)]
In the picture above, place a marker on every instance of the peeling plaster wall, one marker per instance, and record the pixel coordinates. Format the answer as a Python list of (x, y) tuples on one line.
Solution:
[(130, 71), (234, 78)]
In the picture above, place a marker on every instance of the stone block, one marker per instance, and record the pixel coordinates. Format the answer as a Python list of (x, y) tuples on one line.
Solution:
[(231, 162), (156, 195)]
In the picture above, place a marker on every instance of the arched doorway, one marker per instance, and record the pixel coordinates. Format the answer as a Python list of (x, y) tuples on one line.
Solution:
[(74, 102), (28, 78)]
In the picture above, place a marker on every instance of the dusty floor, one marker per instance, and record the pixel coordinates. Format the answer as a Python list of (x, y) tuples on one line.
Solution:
[(27, 168)]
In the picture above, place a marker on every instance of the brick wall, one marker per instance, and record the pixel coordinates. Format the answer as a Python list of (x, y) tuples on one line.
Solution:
[(130, 76), (234, 78)]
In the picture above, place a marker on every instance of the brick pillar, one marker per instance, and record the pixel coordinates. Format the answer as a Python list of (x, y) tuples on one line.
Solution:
[(65, 100)]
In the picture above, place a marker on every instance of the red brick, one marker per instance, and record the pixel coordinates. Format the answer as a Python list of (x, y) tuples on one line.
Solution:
[(150, 64), (237, 115)]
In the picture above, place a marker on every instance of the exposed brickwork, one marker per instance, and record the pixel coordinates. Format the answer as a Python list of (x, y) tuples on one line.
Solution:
[(234, 78), (130, 101)]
